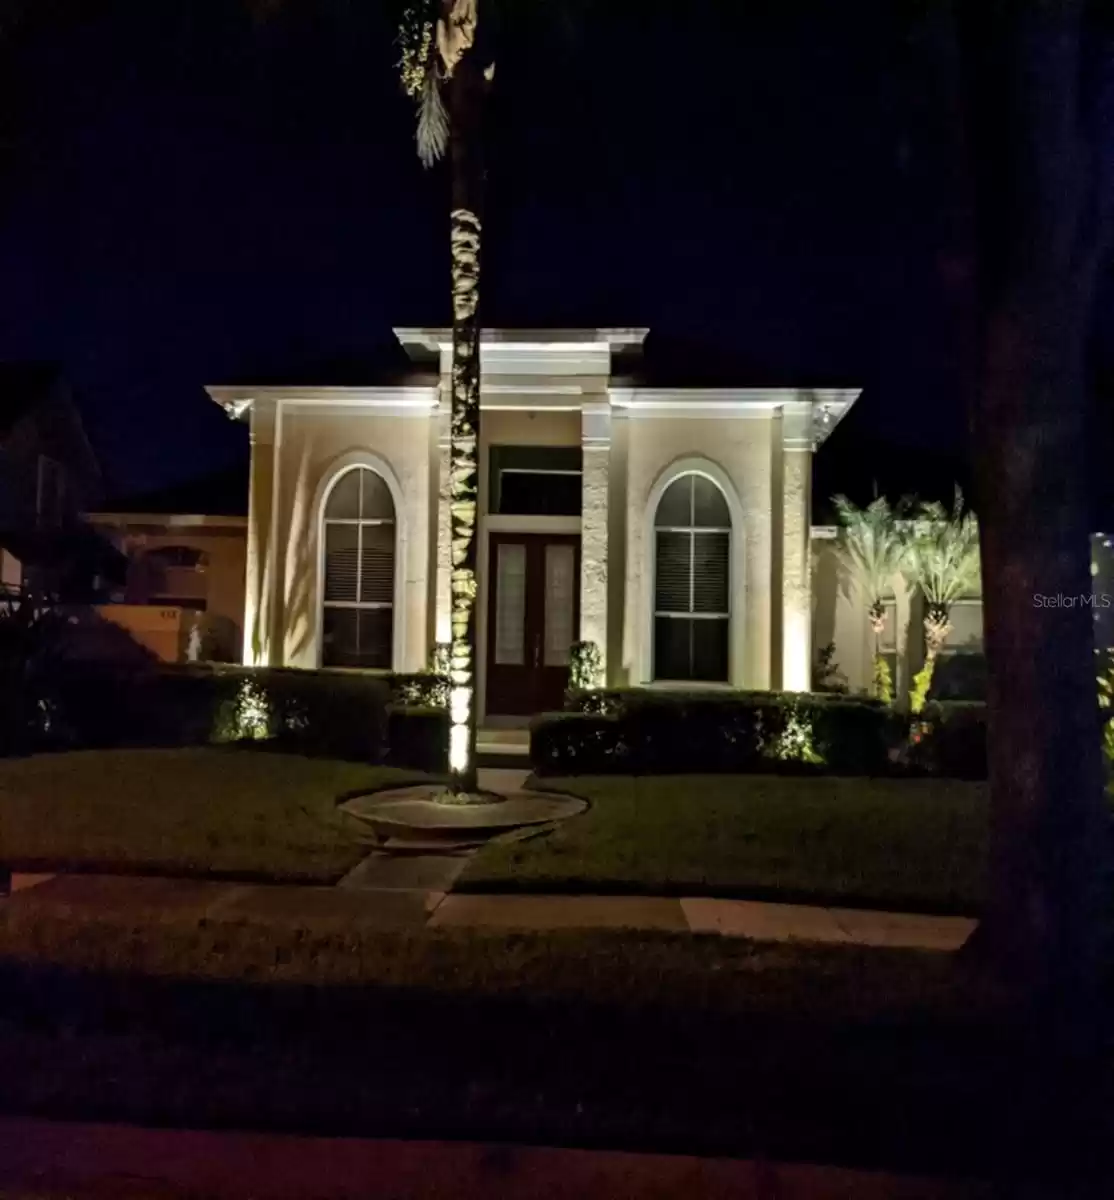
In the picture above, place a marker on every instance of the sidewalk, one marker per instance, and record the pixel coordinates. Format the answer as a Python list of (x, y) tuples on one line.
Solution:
[(405, 908)]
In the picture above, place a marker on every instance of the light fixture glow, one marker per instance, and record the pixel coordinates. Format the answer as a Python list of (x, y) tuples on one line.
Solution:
[(458, 748)]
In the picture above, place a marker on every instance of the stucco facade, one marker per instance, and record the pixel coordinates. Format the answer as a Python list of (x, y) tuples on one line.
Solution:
[(548, 400), (162, 608)]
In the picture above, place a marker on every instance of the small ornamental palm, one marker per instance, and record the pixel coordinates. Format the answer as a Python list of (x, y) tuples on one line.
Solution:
[(943, 561), (872, 552)]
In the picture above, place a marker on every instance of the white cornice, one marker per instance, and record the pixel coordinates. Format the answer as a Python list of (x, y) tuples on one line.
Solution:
[(237, 401), (811, 414), (528, 351), (504, 341)]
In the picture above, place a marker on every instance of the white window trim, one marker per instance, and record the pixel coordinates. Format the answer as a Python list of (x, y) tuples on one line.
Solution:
[(736, 580), (331, 477)]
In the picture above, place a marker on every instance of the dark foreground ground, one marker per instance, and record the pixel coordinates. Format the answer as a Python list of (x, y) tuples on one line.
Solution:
[(884, 1060)]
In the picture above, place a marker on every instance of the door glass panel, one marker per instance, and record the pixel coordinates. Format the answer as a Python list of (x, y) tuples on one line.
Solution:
[(560, 584), (510, 605)]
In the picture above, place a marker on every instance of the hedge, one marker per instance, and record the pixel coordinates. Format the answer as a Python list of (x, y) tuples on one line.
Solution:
[(418, 738), (950, 740), (644, 731), (334, 714)]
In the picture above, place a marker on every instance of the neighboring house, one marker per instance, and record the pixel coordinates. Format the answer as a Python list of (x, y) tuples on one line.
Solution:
[(669, 525), (183, 594), (48, 477)]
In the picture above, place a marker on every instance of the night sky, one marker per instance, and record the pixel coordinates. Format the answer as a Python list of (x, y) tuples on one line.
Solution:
[(190, 200)]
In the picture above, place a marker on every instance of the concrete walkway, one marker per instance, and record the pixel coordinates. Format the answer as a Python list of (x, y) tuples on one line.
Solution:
[(384, 901)]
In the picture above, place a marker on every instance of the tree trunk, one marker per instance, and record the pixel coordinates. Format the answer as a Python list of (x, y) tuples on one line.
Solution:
[(1048, 821), (465, 102), (1039, 227)]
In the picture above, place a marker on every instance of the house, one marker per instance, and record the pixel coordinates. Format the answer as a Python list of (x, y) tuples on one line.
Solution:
[(668, 525), (48, 477), (182, 593)]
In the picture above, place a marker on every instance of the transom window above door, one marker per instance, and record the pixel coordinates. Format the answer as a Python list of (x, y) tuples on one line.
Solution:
[(358, 583), (534, 481), (692, 582)]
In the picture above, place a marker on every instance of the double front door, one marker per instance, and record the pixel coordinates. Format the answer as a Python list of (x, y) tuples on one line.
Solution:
[(533, 617)]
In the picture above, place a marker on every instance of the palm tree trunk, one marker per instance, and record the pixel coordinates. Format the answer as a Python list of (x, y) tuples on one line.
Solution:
[(465, 102)]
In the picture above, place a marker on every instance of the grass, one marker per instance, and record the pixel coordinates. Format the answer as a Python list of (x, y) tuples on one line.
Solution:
[(195, 812), (613, 968), (834, 1054), (916, 845)]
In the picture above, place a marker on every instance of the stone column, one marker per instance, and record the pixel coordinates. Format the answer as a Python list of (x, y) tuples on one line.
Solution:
[(260, 551), (596, 444), (796, 520)]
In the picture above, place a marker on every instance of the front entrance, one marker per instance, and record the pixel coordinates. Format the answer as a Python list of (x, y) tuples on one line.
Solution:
[(532, 620)]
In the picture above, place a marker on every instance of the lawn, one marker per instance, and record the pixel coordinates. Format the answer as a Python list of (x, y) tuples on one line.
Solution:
[(915, 845), (195, 812), (577, 1037)]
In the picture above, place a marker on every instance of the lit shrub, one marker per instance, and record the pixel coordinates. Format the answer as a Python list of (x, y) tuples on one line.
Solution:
[(646, 731), (585, 666)]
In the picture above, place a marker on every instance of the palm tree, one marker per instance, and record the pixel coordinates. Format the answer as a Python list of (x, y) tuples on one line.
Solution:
[(444, 71), (871, 552), (942, 560)]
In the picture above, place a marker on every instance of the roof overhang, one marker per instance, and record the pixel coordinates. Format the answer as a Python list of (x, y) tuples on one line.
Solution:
[(527, 351), (172, 521), (406, 400), (809, 414)]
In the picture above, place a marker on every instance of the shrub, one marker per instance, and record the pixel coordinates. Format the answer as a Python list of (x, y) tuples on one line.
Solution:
[(882, 685), (950, 740), (423, 689), (318, 713), (578, 744), (585, 666), (959, 677), (648, 731), (324, 714), (418, 738), (826, 675)]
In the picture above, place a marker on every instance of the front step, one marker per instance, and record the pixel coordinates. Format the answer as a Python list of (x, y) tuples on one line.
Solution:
[(504, 743)]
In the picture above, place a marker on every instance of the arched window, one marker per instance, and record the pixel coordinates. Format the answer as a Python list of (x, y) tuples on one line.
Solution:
[(692, 582), (359, 572)]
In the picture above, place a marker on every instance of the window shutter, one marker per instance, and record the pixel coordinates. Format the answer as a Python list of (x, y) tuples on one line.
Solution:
[(674, 557), (341, 563), (711, 572), (377, 564)]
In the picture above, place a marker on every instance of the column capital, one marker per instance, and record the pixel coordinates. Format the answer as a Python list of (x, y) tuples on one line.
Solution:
[(595, 425), (806, 423)]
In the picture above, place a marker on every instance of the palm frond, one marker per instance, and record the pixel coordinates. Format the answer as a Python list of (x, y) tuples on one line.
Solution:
[(872, 548), (433, 122), (943, 559)]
